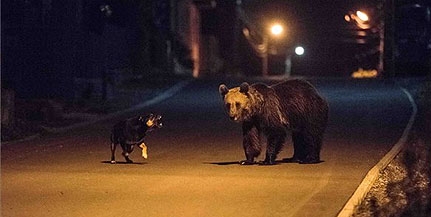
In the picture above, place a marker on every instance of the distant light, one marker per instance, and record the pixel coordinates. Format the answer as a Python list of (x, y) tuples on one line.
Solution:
[(362, 16), (213, 4), (299, 50), (361, 73), (347, 18), (106, 9), (276, 29)]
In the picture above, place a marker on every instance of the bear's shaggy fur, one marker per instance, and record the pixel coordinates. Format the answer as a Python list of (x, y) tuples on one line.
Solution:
[(292, 105)]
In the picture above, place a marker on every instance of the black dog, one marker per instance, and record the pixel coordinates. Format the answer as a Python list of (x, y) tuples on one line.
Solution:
[(131, 132)]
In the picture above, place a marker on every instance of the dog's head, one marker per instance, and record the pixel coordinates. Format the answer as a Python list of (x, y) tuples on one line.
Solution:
[(152, 121)]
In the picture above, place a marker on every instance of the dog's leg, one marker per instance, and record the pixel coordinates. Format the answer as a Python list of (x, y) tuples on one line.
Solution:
[(130, 148), (144, 150), (113, 147), (126, 148)]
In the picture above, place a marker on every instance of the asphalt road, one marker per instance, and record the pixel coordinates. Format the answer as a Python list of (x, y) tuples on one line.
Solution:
[(192, 167)]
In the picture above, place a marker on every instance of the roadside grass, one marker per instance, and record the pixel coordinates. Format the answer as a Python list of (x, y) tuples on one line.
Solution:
[(404, 186)]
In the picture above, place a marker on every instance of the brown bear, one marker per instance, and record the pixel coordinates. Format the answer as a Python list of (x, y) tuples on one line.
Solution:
[(292, 106)]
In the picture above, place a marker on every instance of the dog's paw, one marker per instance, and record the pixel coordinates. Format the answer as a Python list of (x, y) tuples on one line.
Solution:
[(144, 150), (144, 153), (246, 162)]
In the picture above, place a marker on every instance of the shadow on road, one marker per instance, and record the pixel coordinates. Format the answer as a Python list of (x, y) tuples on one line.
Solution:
[(223, 163), (121, 162), (284, 161)]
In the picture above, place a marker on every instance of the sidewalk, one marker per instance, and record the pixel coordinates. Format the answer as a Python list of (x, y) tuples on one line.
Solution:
[(59, 116)]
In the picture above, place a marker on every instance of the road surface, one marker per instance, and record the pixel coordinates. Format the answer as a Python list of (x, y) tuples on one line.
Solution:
[(192, 168)]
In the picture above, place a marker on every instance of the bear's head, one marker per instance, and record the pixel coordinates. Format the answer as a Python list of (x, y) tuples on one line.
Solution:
[(240, 102)]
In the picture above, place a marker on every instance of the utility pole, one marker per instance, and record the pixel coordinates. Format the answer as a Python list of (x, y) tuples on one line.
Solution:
[(389, 38), (173, 33), (265, 55), (236, 36)]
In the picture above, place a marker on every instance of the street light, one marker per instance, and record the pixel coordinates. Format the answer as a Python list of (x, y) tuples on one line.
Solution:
[(362, 16), (275, 30), (362, 20), (299, 50)]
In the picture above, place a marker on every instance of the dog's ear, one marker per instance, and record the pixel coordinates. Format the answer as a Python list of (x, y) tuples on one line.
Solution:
[(150, 120)]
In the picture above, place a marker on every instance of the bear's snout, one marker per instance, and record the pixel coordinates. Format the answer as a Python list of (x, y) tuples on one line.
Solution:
[(235, 118)]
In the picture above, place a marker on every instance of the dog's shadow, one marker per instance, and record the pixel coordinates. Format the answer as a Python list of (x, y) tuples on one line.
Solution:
[(122, 162), (223, 163)]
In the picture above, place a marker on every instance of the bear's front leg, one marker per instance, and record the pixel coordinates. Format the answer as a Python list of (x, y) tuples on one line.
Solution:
[(250, 143), (275, 143)]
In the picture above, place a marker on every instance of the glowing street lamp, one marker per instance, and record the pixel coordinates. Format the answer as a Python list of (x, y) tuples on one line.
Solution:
[(362, 16), (299, 50), (277, 29), (364, 22)]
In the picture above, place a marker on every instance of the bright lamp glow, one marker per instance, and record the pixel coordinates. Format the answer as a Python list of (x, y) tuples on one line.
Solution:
[(276, 29), (299, 50), (362, 16)]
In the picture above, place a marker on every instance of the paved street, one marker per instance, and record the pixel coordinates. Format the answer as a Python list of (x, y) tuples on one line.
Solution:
[(192, 167)]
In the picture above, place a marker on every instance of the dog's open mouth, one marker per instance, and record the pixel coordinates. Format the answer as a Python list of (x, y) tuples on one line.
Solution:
[(155, 121), (159, 125), (158, 121)]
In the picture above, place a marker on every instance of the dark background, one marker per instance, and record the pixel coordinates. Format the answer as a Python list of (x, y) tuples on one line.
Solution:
[(67, 49)]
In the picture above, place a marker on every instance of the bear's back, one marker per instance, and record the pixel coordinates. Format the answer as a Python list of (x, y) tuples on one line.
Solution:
[(299, 97), (293, 86), (296, 88)]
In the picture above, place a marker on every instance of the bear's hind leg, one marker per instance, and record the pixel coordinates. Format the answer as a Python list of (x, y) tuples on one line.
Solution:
[(299, 148), (274, 145), (251, 144), (312, 150), (306, 148)]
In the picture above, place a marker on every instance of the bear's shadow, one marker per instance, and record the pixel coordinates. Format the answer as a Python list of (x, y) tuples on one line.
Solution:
[(277, 162)]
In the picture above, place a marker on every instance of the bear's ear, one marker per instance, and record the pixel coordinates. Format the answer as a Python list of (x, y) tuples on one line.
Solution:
[(243, 88), (223, 90)]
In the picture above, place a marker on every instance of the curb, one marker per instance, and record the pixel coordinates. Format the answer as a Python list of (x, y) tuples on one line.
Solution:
[(372, 175), (160, 97)]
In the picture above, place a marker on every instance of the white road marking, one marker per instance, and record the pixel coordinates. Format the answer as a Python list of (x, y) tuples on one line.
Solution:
[(372, 175)]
